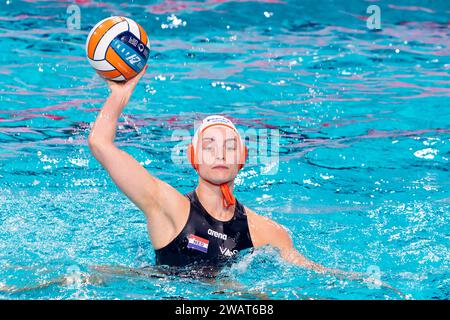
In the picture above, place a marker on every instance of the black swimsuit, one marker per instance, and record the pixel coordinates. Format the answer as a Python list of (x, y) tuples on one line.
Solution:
[(206, 241)]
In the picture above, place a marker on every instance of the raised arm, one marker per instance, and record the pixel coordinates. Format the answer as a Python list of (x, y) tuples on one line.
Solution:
[(154, 197)]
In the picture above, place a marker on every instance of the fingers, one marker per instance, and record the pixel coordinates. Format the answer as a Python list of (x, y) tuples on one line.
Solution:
[(136, 79), (142, 72)]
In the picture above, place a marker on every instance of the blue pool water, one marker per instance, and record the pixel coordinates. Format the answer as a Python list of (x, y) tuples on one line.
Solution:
[(362, 181)]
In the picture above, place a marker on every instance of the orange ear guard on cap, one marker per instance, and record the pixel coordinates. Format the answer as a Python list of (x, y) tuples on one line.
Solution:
[(244, 157), (191, 155)]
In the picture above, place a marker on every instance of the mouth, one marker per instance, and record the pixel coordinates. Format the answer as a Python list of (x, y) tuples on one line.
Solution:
[(220, 167)]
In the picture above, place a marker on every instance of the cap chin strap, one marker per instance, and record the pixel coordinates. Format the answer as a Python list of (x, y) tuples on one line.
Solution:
[(227, 196)]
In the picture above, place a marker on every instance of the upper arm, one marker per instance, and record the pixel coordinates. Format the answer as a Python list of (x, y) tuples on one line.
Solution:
[(148, 193), (265, 231)]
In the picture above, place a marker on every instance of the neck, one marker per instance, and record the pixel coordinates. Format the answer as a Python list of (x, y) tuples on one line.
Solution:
[(211, 198)]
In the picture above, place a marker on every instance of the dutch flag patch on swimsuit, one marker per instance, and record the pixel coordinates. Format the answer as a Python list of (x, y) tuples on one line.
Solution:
[(198, 243)]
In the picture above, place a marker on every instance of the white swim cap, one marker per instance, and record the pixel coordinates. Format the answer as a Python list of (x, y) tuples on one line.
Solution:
[(210, 121)]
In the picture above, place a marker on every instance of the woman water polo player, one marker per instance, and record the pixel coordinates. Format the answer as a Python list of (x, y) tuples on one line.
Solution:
[(208, 225)]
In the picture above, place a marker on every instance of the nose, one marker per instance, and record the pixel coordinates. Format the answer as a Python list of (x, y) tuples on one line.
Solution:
[(220, 154)]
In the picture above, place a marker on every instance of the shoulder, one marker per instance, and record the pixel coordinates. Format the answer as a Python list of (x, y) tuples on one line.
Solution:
[(264, 230)]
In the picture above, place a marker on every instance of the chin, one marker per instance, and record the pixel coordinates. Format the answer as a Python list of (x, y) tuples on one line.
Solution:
[(221, 177)]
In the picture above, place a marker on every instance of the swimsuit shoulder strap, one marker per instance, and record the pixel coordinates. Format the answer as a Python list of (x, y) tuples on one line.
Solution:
[(240, 209), (190, 195)]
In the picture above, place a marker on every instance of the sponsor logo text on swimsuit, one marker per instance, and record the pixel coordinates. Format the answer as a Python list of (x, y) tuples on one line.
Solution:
[(217, 234), (227, 252)]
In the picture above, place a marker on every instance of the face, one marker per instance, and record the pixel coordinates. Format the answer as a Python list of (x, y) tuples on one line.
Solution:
[(218, 154)]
